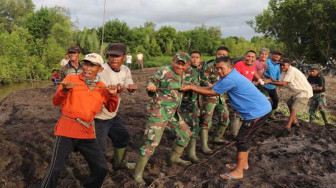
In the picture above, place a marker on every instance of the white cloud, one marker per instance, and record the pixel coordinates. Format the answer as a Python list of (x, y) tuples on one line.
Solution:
[(230, 16)]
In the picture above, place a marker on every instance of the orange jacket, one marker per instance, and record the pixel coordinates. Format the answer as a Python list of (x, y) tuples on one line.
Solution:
[(81, 103)]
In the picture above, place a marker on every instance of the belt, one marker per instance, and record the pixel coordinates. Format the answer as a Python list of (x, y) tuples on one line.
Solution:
[(79, 120)]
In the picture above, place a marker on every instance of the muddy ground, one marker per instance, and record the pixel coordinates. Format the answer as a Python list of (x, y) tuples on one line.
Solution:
[(305, 158)]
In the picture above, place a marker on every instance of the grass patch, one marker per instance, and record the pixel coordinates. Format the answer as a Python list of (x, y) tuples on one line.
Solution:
[(304, 115)]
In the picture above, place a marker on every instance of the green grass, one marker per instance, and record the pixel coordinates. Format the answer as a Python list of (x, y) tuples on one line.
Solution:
[(304, 115)]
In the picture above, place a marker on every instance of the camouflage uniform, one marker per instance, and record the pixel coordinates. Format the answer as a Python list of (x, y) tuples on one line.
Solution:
[(162, 111), (69, 69), (189, 109), (209, 77), (317, 102)]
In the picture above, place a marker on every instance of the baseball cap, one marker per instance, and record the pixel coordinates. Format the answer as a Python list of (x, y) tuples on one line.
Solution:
[(276, 52), (314, 67), (116, 49), (285, 60), (182, 56), (94, 58), (75, 49)]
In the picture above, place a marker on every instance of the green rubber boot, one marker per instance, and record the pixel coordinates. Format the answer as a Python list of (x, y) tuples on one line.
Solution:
[(119, 160), (204, 141), (139, 168), (191, 150), (219, 135), (176, 154), (272, 116), (325, 119)]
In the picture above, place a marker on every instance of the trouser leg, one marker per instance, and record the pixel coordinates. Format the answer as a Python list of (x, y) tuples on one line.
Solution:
[(98, 167), (63, 146), (102, 130), (247, 131), (118, 133)]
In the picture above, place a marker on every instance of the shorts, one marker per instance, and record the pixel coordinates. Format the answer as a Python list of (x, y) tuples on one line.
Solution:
[(298, 104)]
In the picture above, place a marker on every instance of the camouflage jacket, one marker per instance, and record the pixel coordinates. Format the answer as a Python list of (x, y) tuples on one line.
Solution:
[(167, 97), (209, 75), (69, 69), (192, 76)]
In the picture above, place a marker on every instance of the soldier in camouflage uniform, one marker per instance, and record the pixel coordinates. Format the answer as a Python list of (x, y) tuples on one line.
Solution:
[(189, 109), (162, 112), (208, 78), (73, 66), (317, 102)]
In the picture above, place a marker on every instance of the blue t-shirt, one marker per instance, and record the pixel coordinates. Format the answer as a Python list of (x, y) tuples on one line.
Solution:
[(273, 70), (243, 95)]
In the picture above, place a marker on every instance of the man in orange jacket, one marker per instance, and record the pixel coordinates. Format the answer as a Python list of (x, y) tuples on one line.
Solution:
[(81, 98)]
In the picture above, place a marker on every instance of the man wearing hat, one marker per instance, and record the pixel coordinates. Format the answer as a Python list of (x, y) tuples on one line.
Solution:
[(297, 83), (273, 72), (317, 102), (73, 66), (109, 124), (162, 111), (81, 97)]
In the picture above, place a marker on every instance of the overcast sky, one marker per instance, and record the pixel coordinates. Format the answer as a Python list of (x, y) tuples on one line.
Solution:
[(229, 15)]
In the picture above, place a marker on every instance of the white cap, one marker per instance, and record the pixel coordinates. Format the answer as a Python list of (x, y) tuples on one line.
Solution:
[(94, 58)]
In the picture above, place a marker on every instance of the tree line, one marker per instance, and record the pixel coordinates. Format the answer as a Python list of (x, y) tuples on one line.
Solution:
[(34, 42)]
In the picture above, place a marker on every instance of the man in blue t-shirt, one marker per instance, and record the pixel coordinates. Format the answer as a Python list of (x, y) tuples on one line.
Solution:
[(251, 104), (273, 72)]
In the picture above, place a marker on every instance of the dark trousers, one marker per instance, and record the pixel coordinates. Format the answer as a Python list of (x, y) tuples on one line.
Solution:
[(114, 129), (274, 97), (247, 132), (89, 148)]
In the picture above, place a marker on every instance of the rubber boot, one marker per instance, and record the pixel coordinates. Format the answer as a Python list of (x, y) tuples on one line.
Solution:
[(191, 150), (139, 168), (176, 154), (325, 119), (219, 135), (272, 116), (119, 160), (235, 126), (204, 141)]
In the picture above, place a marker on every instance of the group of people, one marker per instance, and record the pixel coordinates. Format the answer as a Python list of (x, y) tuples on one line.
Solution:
[(139, 60), (184, 97)]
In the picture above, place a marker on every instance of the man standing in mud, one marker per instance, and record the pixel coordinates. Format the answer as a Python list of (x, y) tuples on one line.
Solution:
[(73, 66), (244, 97), (81, 97), (297, 83), (109, 124), (189, 109), (162, 112), (209, 77)]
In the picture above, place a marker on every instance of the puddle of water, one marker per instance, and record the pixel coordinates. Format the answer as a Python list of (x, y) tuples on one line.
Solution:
[(5, 90)]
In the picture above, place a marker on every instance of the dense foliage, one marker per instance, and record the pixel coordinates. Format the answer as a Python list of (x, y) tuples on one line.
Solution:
[(34, 42), (306, 27)]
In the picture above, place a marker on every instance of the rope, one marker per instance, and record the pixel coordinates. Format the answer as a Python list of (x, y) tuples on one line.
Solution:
[(189, 167)]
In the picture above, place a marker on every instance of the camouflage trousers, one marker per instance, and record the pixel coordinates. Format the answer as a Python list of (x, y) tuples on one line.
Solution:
[(156, 125), (317, 102), (190, 113), (211, 104)]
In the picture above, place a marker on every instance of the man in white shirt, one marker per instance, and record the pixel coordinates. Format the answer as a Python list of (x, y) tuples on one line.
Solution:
[(109, 124), (140, 60), (129, 60), (297, 83)]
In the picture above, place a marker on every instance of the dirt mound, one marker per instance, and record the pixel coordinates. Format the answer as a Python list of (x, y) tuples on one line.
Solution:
[(305, 158)]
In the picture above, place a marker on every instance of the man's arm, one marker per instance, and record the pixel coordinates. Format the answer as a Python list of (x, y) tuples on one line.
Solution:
[(277, 83), (207, 91)]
